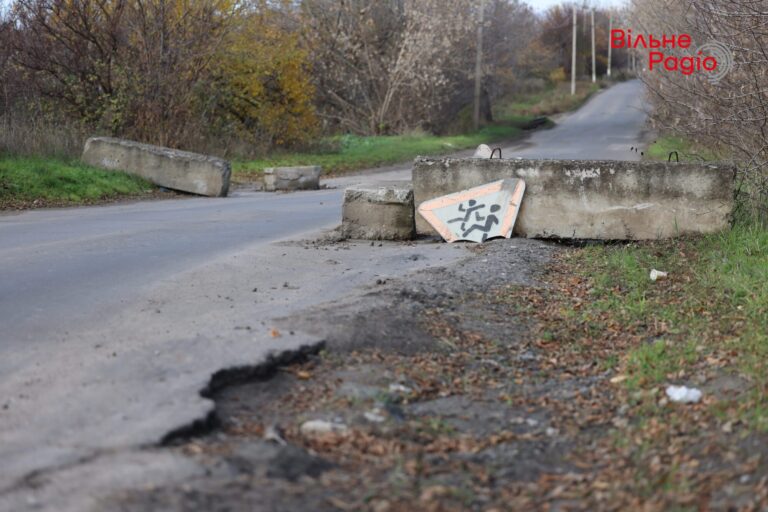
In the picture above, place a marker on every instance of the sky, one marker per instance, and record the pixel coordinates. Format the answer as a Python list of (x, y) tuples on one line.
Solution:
[(538, 5), (543, 5)]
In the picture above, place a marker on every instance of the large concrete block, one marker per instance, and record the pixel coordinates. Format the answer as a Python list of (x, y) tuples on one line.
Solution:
[(292, 178), (379, 211), (170, 168), (593, 199)]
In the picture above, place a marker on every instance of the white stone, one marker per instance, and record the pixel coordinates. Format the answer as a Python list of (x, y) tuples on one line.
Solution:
[(483, 151), (169, 168), (684, 394), (399, 388), (379, 211), (320, 427), (374, 416), (292, 178)]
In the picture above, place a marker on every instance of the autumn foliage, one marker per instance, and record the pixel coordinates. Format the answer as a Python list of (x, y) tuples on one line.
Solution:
[(247, 76), (171, 72)]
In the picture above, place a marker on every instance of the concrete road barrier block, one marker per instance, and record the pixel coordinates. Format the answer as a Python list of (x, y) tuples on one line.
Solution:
[(477, 214), (292, 178), (170, 168), (602, 200), (379, 211)]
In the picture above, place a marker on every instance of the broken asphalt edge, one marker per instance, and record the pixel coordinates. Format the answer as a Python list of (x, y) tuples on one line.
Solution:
[(205, 422), (236, 375)]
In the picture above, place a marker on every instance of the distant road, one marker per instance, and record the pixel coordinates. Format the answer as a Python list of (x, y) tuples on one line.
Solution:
[(109, 314), (606, 128)]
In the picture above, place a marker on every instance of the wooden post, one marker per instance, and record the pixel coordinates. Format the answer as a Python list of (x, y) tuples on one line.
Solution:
[(594, 67), (573, 54), (610, 29), (479, 66)]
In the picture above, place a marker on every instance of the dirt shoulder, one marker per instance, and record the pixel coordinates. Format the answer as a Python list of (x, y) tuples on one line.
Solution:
[(478, 387)]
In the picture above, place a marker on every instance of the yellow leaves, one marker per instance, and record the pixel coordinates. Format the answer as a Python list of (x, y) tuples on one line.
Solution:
[(267, 72), (175, 72)]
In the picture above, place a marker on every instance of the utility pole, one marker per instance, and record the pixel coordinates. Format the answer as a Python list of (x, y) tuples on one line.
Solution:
[(610, 29), (573, 55), (479, 65), (583, 38), (594, 68)]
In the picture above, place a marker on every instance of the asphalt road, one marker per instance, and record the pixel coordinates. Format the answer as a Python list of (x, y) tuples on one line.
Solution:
[(606, 128), (114, 318), (61, 268)]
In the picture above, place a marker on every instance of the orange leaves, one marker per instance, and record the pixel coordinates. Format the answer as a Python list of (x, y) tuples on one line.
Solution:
[(177, 73), (356, 442)]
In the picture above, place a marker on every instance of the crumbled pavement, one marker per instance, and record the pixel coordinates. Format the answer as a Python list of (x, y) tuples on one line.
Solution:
[(447, 390), (445, 394), (424, 375)]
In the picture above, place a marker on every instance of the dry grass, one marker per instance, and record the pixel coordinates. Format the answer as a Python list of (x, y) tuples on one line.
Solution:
[(28, 136)]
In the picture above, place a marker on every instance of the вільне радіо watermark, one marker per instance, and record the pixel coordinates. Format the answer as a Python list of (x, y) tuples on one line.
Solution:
[(712, 59)]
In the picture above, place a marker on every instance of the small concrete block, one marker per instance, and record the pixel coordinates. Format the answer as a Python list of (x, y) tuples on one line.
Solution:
[(379, 211), (169, 168), (477, 214), (292, 178)]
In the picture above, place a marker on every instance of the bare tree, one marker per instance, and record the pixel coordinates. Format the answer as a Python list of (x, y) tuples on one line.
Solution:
[(5, 57), (513, 51), (70, 49), (729, 116), (385, 66)]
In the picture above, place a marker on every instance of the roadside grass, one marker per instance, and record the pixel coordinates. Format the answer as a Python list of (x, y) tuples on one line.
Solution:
[(351, 152), (687, 150), (31, 181), (553, 100), (712, 311), (599, 316)]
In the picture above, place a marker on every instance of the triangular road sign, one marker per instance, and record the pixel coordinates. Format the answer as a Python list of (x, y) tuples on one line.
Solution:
[(477, 214)]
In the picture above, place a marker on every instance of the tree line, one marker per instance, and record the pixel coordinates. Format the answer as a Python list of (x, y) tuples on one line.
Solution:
[(246, 76)]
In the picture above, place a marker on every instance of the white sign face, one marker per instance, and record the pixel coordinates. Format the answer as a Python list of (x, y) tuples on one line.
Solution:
[(477, 214)]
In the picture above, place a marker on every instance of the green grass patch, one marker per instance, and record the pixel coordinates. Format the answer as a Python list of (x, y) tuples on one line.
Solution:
[(713, 306), (351, 152), (653, 362), (554, 100), (687, 150), (24, 181)]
